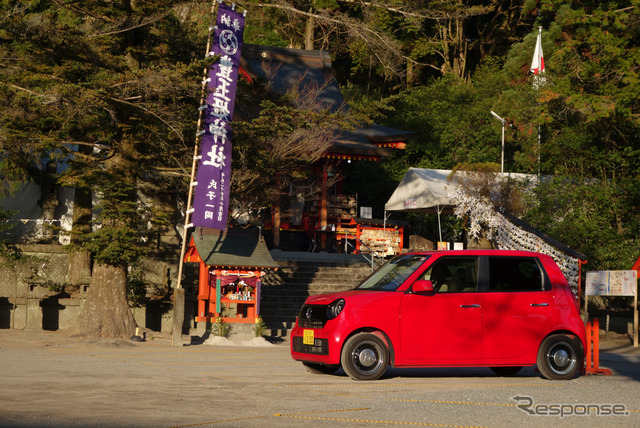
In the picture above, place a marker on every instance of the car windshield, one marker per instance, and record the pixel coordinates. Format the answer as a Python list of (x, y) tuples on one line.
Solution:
[(393, 273)]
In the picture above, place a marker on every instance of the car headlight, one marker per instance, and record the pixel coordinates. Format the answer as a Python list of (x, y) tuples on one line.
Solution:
[(334, 309)]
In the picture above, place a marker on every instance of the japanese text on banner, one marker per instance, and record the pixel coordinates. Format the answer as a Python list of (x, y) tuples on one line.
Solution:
[(211, 200)]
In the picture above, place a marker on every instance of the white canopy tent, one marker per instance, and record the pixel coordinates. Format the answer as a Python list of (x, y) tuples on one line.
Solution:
[(423, 191)]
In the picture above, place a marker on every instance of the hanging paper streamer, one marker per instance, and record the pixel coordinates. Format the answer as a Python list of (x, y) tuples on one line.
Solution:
[(213, 179)]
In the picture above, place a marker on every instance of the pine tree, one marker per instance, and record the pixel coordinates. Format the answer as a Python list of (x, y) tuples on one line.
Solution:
[(108, 88)]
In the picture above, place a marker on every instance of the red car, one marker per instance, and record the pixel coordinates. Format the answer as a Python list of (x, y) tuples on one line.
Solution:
[(471, 308)]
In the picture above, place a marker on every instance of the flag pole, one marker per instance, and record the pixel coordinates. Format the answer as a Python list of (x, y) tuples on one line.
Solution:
[(537, 67), (178, 301), (541, 70), (539, 136)]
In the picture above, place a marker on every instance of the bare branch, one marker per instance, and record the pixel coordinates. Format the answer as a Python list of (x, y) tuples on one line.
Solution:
[(146, 21), (146, 110)]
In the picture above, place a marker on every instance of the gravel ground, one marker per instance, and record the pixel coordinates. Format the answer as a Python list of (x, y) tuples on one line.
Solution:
[(54, 379)]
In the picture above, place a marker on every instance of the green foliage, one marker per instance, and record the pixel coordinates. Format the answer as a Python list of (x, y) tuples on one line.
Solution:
[(585, 111), (110, 91), (260, 327), (591, 52), (598, 218), (55, 287), (9, 253), (452, 121), (136, 288), (119, 239), (220, 328)]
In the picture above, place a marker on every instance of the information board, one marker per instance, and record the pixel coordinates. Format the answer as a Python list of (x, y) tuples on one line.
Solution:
[(612, 283)]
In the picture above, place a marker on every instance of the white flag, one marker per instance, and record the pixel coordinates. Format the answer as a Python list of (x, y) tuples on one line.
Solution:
[(537, 64)]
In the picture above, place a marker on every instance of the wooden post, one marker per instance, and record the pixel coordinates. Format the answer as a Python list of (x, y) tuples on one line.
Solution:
[(635, 319), (178, 321)]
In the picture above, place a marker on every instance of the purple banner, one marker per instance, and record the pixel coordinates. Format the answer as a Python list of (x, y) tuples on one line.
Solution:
[(211, 201)]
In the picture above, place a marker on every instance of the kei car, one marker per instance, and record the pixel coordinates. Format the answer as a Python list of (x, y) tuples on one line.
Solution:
[(463, 308)]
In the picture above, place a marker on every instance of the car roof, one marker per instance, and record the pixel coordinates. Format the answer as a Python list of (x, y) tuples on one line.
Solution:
[(479, 252)]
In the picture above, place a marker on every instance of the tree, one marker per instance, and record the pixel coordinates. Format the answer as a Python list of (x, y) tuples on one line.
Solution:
[(452, 121), (277, 146), (108, 89), (398, 44), (584, 215), (588, 109), (590, 101)]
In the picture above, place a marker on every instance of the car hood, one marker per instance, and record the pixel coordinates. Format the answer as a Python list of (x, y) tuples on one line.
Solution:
[(325, 299)]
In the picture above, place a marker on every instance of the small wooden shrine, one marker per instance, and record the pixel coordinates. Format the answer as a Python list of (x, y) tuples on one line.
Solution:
[(232, 264)]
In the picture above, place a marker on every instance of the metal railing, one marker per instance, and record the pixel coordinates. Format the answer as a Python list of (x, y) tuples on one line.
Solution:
[(375, 261)]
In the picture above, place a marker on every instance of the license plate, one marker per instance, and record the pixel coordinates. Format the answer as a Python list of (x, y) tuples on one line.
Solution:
[(308, 337)]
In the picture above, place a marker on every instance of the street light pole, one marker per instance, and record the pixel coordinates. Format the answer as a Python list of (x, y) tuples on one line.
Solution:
[(502, 120)]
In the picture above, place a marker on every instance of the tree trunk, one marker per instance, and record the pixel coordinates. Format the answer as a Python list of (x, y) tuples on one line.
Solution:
[(309, 33), (276, 214), (106, 312), (79, 268), (410, 74), (80, 263)]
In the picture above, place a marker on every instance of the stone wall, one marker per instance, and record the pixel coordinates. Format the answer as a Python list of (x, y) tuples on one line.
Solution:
[(35, 292)]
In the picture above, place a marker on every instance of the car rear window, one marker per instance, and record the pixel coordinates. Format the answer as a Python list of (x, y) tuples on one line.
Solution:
[(515, 274), (393, 273)]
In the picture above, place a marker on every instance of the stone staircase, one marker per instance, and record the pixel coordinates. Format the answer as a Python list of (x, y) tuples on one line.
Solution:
[(285, 290)]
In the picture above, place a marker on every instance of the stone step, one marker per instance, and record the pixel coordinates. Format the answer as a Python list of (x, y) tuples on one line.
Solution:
[(285, 290)]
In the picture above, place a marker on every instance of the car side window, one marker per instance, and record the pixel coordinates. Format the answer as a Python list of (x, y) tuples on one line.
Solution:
[(515, 274), (453, 274)]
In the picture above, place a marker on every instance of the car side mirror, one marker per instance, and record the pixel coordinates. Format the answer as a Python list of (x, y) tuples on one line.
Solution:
[(423, 286)]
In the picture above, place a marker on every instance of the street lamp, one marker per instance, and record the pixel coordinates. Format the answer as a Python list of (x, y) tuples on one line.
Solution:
[(503, 124)]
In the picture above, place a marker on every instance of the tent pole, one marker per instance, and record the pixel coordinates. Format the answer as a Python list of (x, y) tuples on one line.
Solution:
[(439, 227)]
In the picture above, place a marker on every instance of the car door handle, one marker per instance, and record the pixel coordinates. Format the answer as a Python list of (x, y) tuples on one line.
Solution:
[(470, 306), (539, 304)]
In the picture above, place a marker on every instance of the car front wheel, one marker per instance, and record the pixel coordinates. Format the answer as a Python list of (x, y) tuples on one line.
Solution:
[(559, 357), (365, 357)]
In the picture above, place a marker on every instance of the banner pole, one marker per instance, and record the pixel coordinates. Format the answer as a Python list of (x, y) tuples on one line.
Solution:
[(196, 148), (178, 300)]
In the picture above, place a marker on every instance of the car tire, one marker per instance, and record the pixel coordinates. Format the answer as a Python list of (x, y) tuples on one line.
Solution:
[(364, 357), (321, 368), (560, 357), (506, 371)]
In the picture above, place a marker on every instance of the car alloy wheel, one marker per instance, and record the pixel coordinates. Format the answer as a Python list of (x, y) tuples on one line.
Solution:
[(559, 357), (365, 357)]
